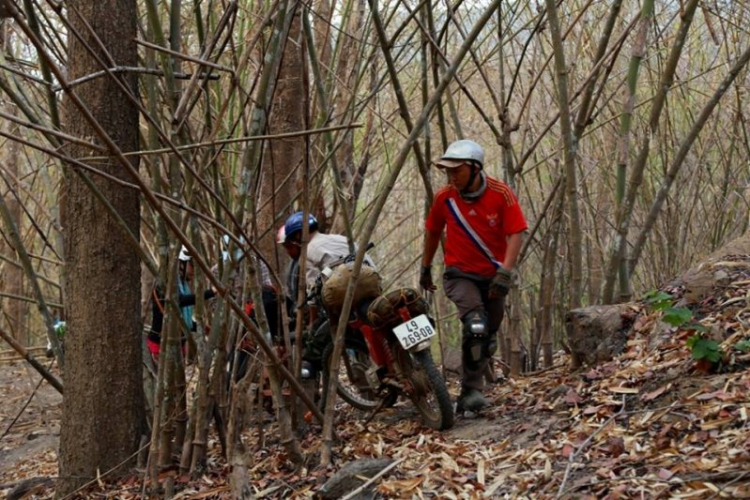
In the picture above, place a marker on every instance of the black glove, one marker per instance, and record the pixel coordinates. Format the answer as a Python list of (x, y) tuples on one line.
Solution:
[(500, 283), (425, 279)]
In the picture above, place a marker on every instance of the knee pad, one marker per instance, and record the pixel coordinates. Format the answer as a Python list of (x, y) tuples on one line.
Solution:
[(475, 325), (475, 339)]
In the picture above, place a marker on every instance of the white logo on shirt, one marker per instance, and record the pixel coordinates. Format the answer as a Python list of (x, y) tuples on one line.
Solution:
[(472, 212)]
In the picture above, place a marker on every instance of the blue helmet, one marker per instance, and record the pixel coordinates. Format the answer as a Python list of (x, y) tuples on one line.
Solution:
[(294, 224)]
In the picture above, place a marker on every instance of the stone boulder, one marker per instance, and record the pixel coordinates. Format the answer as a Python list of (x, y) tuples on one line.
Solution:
[(599, 333)]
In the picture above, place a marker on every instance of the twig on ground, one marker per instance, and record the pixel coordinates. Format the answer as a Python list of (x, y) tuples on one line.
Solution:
[(571, 459), (374, 478), (723, 487)]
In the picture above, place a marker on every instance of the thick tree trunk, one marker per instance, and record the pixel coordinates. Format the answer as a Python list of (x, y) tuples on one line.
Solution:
[(344, 104), (103, 404), (285, 155)]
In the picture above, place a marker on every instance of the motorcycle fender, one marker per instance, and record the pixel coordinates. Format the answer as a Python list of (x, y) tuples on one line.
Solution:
[(425, 344), (374, 345)]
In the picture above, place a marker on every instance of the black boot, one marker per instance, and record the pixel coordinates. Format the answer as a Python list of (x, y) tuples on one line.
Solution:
[(470, 400)]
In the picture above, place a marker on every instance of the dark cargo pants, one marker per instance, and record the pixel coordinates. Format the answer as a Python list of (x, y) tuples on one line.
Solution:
[(471, 293)]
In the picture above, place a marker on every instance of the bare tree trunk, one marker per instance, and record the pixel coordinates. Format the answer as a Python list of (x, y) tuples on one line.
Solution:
[(173, 411), (345, 102), (546, 294), (11, 277), (514, 330), (103, 408), (286, 155), (323, 118), (323, 47), (211, 366)]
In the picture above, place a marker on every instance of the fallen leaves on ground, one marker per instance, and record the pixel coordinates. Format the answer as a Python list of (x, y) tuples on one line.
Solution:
[(645, 425)]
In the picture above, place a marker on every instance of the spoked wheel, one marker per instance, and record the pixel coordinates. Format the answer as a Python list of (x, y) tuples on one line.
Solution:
[(357, 384), (429, 393)]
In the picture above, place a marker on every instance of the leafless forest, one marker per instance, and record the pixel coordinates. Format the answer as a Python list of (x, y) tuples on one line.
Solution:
[(132, 127)]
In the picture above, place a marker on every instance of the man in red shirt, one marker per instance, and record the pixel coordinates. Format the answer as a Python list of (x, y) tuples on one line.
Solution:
[(484, 232)]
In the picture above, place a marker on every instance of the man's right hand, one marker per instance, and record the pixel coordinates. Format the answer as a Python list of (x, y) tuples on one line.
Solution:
[(501, 283), (425, 279)]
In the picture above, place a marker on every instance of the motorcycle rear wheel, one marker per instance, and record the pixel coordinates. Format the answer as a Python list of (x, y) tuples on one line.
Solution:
[(430, 394), (353, 385)]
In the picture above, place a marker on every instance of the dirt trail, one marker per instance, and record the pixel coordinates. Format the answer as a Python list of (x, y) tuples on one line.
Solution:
[(28, 448)]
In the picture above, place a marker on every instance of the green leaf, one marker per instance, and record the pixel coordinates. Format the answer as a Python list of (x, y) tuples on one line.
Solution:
[(699, 351), (714, 356), (677, 316), (657, 296), (691, 341), (659, 300), (704, 349), (743, 345)]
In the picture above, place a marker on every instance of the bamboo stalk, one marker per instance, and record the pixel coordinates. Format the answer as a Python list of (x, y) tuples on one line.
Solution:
[(569, 153), (619, 252), (15, 239), (681, 154), (33, 24), (137, 70), (623, 146)]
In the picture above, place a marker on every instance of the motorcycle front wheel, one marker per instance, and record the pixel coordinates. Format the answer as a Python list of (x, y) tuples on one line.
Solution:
[(429, 392)]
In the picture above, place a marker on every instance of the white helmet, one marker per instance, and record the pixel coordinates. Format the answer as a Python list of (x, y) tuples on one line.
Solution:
[(459, 152), (184, 254), (281, 235)]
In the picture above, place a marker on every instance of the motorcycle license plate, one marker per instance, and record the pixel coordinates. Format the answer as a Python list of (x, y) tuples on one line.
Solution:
[(414, 331)]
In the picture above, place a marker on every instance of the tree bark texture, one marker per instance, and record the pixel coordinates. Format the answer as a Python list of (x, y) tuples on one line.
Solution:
[(285, 155), (103, 406)]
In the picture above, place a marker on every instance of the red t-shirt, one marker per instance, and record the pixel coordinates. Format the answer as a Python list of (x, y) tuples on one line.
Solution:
[(493, 217)]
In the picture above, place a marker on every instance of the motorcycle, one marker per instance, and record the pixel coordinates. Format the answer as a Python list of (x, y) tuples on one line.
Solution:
[(387, 354)]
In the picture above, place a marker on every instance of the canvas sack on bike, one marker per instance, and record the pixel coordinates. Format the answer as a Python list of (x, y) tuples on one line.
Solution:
[(383, 312), (334, 289)]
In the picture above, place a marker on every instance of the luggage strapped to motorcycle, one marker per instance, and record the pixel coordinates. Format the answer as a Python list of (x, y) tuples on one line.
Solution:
[(384, 310), (337, 275)]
